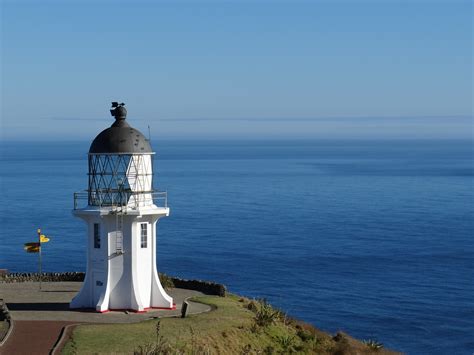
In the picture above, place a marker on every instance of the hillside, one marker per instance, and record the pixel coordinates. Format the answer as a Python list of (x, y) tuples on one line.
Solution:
[(236, 325)]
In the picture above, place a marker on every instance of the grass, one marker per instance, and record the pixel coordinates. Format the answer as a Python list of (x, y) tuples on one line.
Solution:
[(231, 328), (4, 326)]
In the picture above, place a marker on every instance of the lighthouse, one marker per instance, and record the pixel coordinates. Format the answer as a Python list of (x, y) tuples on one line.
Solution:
[(121, 214)]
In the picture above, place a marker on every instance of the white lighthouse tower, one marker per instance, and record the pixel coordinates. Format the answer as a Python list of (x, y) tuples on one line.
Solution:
[(121, 215)]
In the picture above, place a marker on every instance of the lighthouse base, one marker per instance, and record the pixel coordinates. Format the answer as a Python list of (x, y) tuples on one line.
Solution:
[(135, 311), (121, 263), (115, 299)]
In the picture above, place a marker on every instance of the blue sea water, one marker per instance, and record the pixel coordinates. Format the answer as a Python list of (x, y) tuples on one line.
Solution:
[(374, 238)]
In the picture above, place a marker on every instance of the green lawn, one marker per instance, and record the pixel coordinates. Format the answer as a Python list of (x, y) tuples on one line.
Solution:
[(228, 329)]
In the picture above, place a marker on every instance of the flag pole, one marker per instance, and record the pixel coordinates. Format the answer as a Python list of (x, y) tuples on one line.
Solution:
[(39, 264)]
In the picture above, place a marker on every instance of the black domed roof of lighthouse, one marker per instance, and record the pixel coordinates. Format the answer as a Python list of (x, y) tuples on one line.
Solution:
[(120, 138)]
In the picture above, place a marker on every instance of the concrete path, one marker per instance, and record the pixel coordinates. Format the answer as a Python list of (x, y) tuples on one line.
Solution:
[(40, 315), (26, 302)]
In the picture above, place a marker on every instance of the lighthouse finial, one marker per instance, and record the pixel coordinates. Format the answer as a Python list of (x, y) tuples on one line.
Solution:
[(118, 110)]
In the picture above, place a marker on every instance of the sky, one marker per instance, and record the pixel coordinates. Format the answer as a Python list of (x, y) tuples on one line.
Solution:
[(238, 69)]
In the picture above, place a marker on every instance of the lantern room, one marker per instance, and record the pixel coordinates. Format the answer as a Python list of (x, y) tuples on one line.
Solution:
[(120, 165)]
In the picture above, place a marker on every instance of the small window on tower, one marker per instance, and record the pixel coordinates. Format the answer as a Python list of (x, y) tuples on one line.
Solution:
[(96, 235), (144, 234)]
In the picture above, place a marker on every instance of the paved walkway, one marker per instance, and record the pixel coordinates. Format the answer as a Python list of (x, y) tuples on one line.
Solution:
[(39, 315), (26, 302), (33, 337)]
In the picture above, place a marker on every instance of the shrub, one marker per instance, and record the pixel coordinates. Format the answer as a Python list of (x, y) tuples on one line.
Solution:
[(305, 335), (265, 314), (166, 281), (373, 344), (287, 342), (252, 306)]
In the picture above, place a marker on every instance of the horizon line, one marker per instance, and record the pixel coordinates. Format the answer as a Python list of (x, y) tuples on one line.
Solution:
[(275, 119)]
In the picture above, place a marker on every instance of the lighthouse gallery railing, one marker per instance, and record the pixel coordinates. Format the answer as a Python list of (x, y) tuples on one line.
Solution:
[(126, 199)]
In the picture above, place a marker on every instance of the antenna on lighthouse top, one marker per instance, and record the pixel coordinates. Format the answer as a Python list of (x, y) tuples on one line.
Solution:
[(149, 134)]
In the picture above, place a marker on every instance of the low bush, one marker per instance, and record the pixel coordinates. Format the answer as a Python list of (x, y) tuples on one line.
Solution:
[(166, 281), (287, 343), (373, 344), (265, 314)]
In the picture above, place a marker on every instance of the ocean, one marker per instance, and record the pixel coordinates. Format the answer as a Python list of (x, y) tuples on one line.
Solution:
[(374, 238)]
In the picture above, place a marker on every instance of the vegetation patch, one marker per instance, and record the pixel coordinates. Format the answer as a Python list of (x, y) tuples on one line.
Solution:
[(265, 314), (4, 326), (4, 320), (373, 344), (235, 326)]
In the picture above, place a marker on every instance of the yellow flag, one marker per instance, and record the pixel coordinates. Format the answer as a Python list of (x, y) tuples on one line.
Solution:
[(43, 238)]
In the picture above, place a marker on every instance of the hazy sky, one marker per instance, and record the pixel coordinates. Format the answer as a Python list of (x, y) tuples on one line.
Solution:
[(224, 69)]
